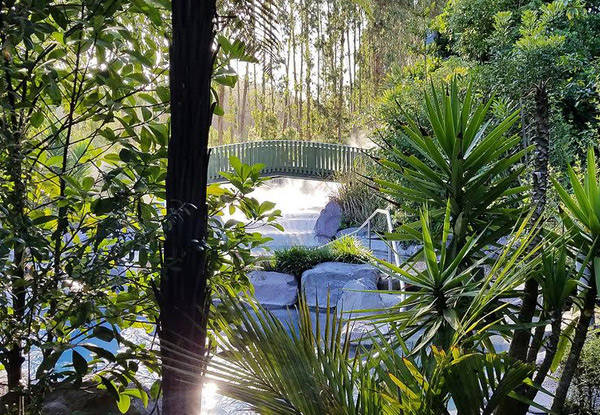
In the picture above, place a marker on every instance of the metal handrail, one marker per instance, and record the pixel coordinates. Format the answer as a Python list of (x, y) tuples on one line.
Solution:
[(392, 250)]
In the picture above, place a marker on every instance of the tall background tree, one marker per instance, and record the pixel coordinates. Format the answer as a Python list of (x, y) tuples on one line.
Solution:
[(325, 80)]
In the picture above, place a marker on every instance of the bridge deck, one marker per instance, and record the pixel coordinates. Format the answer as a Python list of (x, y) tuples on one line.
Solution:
[(304, 159)]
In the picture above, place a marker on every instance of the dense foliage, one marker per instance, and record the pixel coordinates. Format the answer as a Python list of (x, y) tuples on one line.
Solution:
[(483, 104), (297, 259), (84, 129), (83, 146)]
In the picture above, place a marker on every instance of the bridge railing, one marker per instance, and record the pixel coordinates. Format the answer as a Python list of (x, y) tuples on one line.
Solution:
[(286, 158)]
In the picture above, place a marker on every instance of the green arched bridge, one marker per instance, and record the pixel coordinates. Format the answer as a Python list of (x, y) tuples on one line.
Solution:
[(305, 159)]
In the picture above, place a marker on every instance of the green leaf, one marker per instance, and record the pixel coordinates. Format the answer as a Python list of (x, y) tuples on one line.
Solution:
[(40, 220), (163, 94), (48, 363), (37, 118), (79, 363), (106, 205), (155, 390), (111, 388), (124, 403), (100, 351), (139, 394), (597, 270), (104, 333)]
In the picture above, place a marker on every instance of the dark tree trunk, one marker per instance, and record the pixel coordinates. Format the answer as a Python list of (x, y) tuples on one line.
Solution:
[(542, 144), (521, 338), (520, 343), (17, 196), (14, 356), (542, 372), (587, 313), (184, 292)]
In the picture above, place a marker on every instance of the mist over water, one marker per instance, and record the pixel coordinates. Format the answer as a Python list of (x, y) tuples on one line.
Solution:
[(300, 202)]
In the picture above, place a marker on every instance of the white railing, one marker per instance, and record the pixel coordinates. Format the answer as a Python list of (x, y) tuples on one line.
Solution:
[(391, 245)]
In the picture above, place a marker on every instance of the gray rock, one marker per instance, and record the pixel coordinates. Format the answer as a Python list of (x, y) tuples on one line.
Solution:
[(391, 300), (274, 288), (329, 220), (89, 401), (354, 298), (364, 331), (409, 250), (351, 303), (330, 277)]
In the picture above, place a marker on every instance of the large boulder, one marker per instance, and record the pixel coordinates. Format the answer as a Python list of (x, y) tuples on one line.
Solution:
[(274, 289), (356, 302), (364, 331), (329, 221), (89, 401), (359, 295), (330, 278)]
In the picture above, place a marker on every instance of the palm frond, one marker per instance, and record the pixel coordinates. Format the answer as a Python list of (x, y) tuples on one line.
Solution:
[(282, 369)]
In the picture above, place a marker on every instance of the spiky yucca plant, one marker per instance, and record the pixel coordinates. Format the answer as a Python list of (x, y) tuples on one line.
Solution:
[(278, 369), (460, 156), (450, 301), (582, 217)]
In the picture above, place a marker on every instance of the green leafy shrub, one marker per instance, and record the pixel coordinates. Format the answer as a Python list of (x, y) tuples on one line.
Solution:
[(458, 158), (348, 249), (297, 259)]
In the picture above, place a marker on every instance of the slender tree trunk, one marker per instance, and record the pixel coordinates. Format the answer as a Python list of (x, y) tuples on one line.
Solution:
[(221, 119), (184, 293), (255, 80), (521, 338), (536, 342), (300, 101), (294, 70), (350, 80), (361, 69), (14, 356), (542, 372), (319, 46), (286, 92), (243, 131), (520, 342), (354, 61), (272, 81), (308, 93), (17, 197), (263, 104), (585, 318), (341, 90)]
